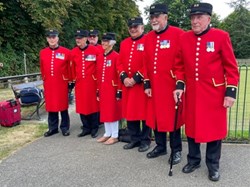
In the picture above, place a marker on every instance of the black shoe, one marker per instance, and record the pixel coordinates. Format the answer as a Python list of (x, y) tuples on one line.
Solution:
[(66, 133), (83, 133), (131, 145), (176, 158), (156, 152), (188, 168), (94, 135), (214, 176), (143, 148), (50, 132)]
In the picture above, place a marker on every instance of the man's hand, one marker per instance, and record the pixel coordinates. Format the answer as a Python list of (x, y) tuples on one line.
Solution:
[(129, 82), (175, 95), (148, 92), (228, 102)]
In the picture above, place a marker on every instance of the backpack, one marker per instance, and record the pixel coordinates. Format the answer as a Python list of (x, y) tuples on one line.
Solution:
[(30, 95)]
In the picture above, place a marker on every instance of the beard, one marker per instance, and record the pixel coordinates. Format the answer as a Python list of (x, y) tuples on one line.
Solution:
[(155, 27)]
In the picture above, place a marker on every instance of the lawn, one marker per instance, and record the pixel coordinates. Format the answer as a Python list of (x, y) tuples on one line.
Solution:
[(12, 138), (239, 114)]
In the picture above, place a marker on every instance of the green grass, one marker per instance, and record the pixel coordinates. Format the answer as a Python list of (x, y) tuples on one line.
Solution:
[(239, 114), (13, 138)]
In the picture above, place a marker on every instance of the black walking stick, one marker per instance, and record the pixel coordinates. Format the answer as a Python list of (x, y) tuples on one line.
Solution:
[(175, 124)]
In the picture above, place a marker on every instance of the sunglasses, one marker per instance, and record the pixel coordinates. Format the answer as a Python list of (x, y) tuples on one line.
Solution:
[(92, 36)]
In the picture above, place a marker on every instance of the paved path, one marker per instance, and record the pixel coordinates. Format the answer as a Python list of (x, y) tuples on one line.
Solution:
[(60, 161)]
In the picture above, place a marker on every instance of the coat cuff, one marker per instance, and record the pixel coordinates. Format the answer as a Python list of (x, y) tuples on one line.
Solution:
[(180, 85), (119, 94), (231, 91), (147, 84), (138, 77), (123, 76)]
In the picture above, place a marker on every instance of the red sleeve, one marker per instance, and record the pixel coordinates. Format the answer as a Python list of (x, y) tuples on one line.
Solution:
[(99, 64), (41, 64), (229, 62), (72, 66)]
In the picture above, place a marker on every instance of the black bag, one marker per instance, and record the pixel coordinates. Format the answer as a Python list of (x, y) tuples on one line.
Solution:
[(124, 135), (30, 95)]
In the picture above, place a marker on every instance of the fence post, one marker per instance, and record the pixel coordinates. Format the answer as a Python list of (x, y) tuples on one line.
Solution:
[(9, 83), (38, 77), (26, 80)]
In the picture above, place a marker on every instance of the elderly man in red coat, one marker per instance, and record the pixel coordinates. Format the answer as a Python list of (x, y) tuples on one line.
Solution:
[(93, 39), (55, 71), (131, 74), (160, 50), (84, 59), (207, 67)]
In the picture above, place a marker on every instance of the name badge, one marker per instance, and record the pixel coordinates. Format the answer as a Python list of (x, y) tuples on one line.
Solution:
[(140, 47), (210, 46), (164, 44), (90, 57), (108, 63), (60, 56)]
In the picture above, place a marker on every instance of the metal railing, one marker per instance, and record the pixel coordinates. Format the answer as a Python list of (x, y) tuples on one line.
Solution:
[(5, 82), (238, 115)]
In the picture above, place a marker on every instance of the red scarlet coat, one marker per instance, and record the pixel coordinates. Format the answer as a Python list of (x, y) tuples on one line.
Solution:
[(160, 51), (55, 71), (131, 61), (99, 47), (84, 65), (206, 71), (108, 79)]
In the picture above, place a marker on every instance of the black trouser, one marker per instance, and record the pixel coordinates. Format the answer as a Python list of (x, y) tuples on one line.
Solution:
[(90, 122), (175, 140), (53, 120), (213, 153), (137, 133)]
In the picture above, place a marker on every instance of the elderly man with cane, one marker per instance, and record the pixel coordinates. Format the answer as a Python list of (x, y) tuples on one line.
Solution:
[(206, 66), (161, 46)]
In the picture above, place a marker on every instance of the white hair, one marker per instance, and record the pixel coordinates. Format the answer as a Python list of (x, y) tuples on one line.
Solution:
[(112, 42)]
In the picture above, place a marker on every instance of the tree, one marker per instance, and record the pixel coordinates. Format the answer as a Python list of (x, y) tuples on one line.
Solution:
[(18, 31), (178, 12), (23, 24), (238, 26), (49, 13), (106, 16)]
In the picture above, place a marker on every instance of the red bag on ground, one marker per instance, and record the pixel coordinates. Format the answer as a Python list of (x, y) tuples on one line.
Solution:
[(10, 113)]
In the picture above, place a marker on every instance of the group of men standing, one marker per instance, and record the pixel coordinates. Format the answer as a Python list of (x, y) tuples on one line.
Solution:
[(154, 72)]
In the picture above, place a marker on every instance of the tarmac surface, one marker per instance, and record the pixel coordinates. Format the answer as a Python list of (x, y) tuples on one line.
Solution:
[(72, 161)]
